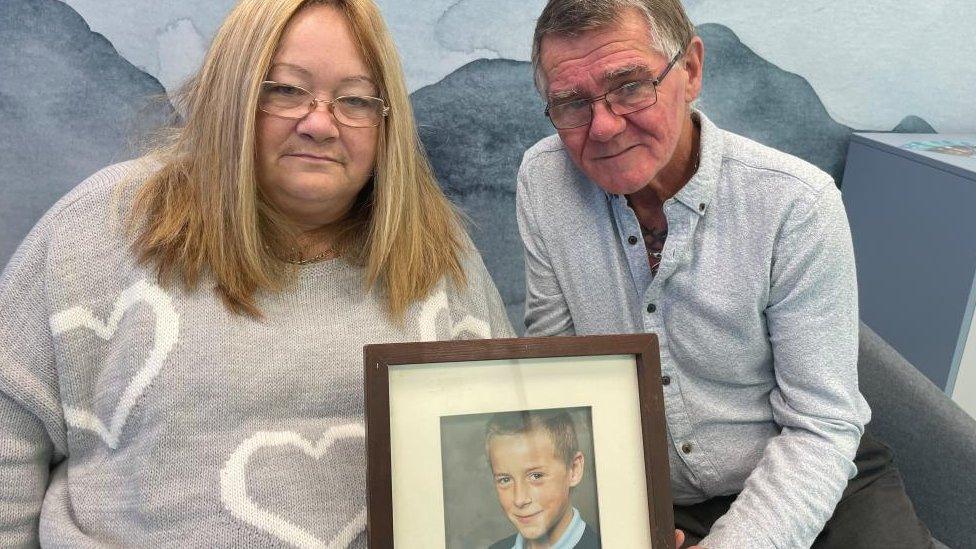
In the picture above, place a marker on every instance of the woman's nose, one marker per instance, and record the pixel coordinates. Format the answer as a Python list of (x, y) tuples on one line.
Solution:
[(319, 124)]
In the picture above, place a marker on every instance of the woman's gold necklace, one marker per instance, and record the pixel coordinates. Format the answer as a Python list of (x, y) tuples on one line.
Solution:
[(299, 259)]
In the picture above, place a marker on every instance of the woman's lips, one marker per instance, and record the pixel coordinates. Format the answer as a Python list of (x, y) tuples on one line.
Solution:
[(312, 157)]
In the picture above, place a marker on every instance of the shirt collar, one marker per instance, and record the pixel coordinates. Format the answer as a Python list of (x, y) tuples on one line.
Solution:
[(569, 539), (699, 191)]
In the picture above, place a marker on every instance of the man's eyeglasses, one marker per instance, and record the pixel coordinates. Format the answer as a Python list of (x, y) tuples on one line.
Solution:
[(625, 99), (288, 101)]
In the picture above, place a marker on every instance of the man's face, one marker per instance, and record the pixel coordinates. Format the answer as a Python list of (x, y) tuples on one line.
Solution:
[(621, 154), (533, 483)]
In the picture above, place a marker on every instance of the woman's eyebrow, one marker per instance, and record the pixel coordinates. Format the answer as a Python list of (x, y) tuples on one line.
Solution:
[(296, 68), (302, 71), (358, 78)]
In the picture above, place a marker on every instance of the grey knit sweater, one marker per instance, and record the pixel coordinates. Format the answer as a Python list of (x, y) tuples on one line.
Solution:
[(137, 415)]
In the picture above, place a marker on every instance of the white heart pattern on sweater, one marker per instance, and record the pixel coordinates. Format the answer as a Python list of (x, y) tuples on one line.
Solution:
[(436, 304), (165, 333), (233, 486)]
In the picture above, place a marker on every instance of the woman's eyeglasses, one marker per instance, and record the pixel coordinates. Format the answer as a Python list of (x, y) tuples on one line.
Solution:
[(288, 101)]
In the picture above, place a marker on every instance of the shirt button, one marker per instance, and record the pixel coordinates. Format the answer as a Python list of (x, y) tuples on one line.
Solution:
[(686, 447), (665, 380), (632, 240), (651, 307)]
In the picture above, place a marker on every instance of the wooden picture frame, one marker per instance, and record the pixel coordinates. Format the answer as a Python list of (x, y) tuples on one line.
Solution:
[(408, 386)]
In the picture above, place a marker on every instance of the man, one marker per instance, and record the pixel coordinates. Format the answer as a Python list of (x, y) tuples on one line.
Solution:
[(643, 216)]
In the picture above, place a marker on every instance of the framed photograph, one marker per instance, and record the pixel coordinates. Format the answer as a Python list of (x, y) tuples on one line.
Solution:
[(494, 444)]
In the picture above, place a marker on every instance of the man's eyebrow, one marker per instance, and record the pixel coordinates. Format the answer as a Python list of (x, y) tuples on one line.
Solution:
[(625, 72), (628, 71), (565, 95)]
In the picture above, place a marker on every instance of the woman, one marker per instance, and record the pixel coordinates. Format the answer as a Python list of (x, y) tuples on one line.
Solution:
[(181, 339)]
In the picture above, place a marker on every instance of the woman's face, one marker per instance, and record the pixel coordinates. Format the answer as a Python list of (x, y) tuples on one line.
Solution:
[(313, 168)]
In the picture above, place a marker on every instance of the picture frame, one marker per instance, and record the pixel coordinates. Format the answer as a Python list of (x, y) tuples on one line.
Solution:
[(420, 395)]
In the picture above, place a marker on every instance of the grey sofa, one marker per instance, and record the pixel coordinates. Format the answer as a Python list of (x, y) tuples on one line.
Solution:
[(933, 440)]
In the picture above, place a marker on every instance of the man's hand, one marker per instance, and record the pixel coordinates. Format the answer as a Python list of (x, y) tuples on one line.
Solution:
[(679, 538)]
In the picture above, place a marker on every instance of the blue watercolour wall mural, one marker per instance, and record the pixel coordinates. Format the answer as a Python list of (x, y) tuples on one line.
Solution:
[(78, 80)]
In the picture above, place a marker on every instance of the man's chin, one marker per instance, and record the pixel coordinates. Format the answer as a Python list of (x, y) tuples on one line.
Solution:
[(617, 180), (620, 186)]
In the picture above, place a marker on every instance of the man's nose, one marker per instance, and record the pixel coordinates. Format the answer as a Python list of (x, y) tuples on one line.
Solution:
[(605, 124)]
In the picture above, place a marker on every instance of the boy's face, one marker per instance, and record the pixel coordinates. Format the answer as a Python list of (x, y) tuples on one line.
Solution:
[(533, 483)]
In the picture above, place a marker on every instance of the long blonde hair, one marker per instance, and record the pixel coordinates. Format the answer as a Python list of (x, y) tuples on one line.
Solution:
[(203, 212)]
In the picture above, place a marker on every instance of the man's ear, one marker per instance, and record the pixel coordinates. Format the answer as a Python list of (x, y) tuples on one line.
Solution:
[(693, 62), (576, 469)]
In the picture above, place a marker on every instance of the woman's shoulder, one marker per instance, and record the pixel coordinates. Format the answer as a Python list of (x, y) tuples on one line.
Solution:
[(473, 266), (100, 204), (107, 187), (87, 223), (76, 250), (479, 296)]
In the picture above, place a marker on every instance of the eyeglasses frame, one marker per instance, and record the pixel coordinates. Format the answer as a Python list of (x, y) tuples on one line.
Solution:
[(654, 82), (329, 103)]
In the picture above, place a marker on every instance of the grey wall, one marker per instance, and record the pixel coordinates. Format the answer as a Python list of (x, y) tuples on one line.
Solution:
[(69, 105)]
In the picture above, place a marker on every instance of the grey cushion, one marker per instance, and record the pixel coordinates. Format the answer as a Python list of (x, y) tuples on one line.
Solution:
[(933, 440)]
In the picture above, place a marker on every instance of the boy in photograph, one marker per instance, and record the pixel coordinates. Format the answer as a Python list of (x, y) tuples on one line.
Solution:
[(536, 462)]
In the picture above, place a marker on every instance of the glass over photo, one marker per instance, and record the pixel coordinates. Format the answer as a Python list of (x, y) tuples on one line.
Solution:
[(520, 479)]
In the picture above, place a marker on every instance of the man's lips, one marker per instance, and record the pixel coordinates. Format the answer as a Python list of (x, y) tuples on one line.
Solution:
[(615, 154)]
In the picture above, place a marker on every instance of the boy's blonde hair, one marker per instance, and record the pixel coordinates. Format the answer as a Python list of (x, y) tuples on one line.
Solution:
[(557, 424)]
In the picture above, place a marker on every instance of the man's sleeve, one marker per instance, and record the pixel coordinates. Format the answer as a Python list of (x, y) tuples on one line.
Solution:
[(31, 421), (546, 311), (812, 320)]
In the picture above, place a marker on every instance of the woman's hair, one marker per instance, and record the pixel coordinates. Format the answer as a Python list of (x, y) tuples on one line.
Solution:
[(203, 211)]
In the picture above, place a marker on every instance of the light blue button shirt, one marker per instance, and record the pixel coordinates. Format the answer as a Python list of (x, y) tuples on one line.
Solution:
[(755, 308), (569, 539)]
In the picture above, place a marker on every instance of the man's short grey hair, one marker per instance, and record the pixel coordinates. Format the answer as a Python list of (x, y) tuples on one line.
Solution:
[(671, 30)]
